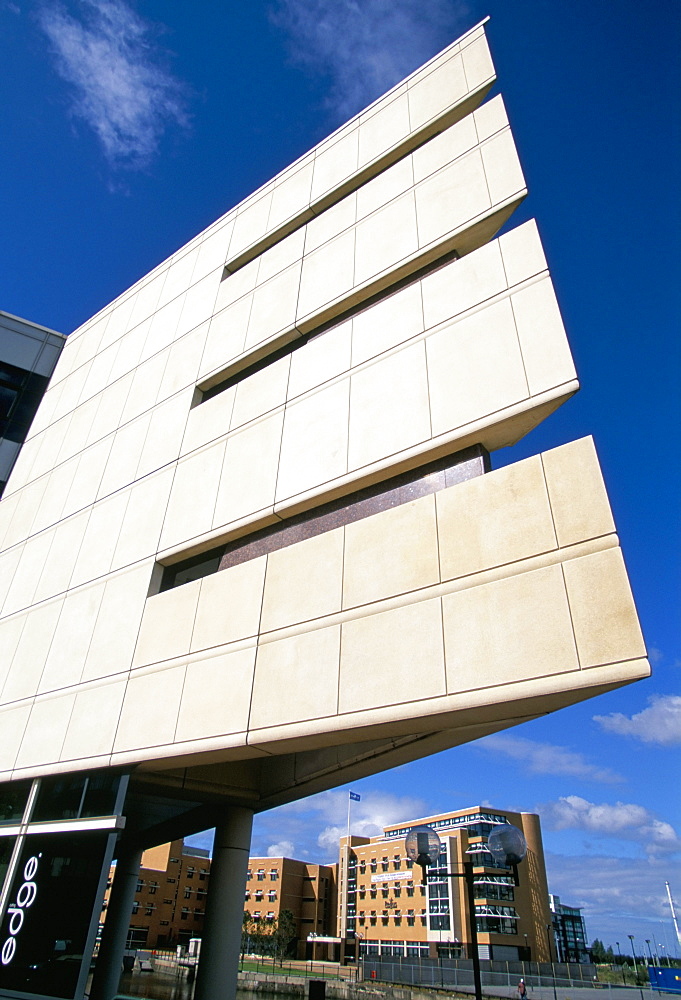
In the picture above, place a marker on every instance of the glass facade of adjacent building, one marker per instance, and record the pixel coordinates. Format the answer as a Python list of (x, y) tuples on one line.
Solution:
[(570, 932), (28, 355), (57, 837)]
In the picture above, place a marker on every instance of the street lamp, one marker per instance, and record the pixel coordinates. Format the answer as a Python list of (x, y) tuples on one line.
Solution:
[(631, 938), (507, 846), (622, 964), (549, 928), (649, 951)]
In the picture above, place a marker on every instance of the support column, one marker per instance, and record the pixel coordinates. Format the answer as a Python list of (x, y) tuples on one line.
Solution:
[(115, 933), (221, 939)]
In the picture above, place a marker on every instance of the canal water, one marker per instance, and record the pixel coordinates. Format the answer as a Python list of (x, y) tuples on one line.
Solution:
[(172, 986)]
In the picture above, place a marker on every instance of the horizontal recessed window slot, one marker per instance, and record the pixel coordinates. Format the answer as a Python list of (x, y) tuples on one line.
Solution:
[(214, 388), (245, 373), (401, 489), (360, 180)]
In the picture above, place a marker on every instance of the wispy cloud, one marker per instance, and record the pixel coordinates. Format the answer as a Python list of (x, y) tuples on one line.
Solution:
[(615, 893), (546, 758), (623, 820), (312, 827), (367, 46), (120, 86), (659, 723)]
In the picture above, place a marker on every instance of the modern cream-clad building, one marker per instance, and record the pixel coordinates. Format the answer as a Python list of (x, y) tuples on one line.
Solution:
[(386, 907), (264, 472)]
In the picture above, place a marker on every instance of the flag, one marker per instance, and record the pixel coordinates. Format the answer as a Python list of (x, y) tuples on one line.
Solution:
[(354, 797)]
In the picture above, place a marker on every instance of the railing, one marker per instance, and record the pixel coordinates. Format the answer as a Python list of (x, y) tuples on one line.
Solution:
[(265, 964), (542, 980)]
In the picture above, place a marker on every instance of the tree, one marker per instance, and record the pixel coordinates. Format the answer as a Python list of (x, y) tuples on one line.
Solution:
[(245, 933), (598, 951), (283, 933)]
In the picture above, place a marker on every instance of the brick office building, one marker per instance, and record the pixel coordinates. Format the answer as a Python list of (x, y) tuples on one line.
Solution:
[(170, 899), (173, 883), (384, 907), (307, 890)]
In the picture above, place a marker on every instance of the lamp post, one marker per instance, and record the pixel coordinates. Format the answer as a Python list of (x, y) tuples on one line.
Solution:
[(631, 938), (553, 968), (622, 964), (507, 846), (649, 951)]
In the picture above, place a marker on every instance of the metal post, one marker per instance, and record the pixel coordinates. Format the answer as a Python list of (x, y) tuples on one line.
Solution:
[(116, 926), (468, 875), (219, 961), (553, 968), (631, 938)]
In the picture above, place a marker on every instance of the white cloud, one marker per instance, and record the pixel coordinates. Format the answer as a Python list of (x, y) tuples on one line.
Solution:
[(366, 46), (320, 820), (121, 90), (619, 896), (282, 849), (623, 820), (659, 723), (545, 758)]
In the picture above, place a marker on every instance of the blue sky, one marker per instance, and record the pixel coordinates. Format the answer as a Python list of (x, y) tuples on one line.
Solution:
[(130, 125)]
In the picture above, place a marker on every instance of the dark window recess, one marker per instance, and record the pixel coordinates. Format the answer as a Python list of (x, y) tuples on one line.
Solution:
[(72, 796), (13, 799), (243, 373), (276, 235), (408, 486), (20, 394)]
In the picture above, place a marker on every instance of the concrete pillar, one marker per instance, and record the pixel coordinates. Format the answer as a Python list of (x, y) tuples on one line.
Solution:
[(221, 939), (115, 933)]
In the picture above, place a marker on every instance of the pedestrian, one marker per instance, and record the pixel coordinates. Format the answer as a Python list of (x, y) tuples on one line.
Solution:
[(522, 990)]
